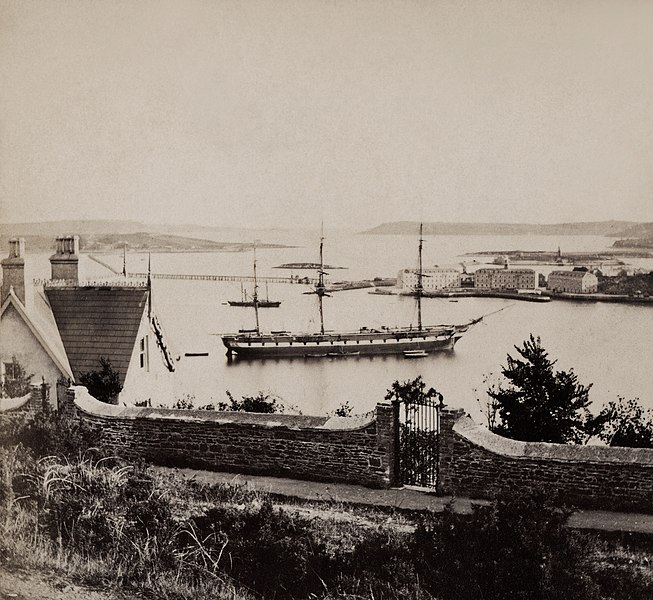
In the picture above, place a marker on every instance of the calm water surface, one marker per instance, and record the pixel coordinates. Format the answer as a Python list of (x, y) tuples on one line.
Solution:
[(606, 344)]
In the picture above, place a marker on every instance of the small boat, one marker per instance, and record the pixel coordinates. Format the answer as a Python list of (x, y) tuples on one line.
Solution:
[(412, 342), (415, 353)]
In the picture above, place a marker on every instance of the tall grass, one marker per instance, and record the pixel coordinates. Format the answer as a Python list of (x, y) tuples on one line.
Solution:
[(102, 521)]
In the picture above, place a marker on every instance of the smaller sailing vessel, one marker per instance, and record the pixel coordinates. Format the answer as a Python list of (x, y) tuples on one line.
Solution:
[(412, 342), (255, 302)]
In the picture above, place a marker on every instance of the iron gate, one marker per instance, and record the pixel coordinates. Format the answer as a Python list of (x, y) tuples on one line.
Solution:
[(418, 444)]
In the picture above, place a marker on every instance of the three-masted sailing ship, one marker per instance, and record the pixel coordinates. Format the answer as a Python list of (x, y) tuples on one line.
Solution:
[(411, 341)]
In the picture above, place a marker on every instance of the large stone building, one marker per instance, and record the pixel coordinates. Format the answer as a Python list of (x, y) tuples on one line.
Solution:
[(505, 279), (63, 327), (579, 281), (433, 278)]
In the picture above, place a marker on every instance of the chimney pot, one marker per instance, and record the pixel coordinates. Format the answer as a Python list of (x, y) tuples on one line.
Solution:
[(65, 261), (13, 271)]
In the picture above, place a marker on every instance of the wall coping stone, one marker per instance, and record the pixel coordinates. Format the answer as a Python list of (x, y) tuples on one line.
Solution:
[(466, 428), (7, 404), (85, 402)]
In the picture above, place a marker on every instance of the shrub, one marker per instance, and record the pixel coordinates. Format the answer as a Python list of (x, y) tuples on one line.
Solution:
[(517, 548), (104, 384), (261, 403), (18, 385), (381, 565), (269, 550), (50, 434)]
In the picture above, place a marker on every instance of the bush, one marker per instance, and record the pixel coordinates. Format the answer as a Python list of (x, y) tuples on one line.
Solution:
[(380, 566), (517, 548), (261, 403), (50, 434), (269, 550), (104, 384), (18, 385)]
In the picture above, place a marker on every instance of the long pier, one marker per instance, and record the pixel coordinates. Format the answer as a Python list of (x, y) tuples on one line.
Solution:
[(243, 278)]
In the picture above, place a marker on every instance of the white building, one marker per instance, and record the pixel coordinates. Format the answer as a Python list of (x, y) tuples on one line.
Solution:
[(505, 279), (433, 278), (576, 281), (63, 328)]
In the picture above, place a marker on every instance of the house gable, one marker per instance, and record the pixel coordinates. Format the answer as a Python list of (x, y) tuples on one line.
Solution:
[(23, 338)]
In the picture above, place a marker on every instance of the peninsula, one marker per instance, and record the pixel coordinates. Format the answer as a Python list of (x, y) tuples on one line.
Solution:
[(600, 228)]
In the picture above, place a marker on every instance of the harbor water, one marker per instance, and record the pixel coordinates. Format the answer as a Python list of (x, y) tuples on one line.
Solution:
[(606, 344)]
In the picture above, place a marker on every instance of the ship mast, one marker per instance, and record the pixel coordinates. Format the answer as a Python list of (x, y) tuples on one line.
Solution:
[(320, 290), (419, 290), (255, 296)]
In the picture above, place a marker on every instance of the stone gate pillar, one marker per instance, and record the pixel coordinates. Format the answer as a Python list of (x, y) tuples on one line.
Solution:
[(446, 454)]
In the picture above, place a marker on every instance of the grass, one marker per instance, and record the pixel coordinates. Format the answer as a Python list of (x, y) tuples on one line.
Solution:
[(104, 522)]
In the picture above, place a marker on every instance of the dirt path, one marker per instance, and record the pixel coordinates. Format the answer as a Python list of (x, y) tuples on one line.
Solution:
[(29, 585)]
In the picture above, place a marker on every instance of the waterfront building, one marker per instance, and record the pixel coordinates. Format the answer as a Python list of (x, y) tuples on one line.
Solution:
[(62, 327), (505, 279), (434, 278), (578, 281)]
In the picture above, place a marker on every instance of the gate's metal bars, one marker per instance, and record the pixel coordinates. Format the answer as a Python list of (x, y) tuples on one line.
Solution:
[(418, 441)]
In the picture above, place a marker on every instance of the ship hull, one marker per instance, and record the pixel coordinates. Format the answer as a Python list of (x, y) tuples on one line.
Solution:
[(333, 346), (261, 303)]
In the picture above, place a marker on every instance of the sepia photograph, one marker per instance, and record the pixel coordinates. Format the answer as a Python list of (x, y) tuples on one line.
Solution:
[(318, 299)]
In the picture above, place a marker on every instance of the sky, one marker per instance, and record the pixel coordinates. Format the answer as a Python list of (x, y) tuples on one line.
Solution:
[(283, 113)]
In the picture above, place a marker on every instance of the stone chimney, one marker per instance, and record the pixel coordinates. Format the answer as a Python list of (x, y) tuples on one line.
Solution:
[(65, 261), (13, 270)]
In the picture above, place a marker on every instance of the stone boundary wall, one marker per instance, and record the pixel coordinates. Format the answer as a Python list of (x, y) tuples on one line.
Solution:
[(477, 463), (344, 449), (31, 403)]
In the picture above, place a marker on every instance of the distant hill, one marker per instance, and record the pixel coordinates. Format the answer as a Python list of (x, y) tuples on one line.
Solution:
[(53, 229), (607, 228), (104, 235), (641, 230)]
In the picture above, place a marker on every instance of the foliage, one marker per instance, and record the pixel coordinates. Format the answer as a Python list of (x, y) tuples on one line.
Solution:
[(273, 551), (539, 404), (624, 423), (261, 403), (147, 532), (185, 403), (344, 410), (517, 548), (18, 385), (49, 434), (104, 384), (411, 392)]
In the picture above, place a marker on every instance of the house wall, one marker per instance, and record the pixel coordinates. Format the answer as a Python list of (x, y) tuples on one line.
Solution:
[(350, 450), (513, 279), (570, 281), (153, 382), (478, 464), (433, 278), (18, 340)]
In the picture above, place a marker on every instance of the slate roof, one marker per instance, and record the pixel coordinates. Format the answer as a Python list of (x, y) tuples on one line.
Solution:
[(98, 322), (570, 274)]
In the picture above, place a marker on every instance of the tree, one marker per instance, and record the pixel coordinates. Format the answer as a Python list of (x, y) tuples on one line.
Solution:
[(16, 382), (411, 392), (539, 404), (104, 385), (624, 423)]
